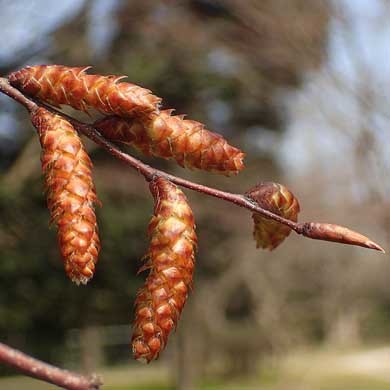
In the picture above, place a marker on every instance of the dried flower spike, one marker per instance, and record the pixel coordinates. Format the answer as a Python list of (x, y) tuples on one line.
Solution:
[(171, 262), (279, 200), (57, 84), (70, 193), (173, 137)]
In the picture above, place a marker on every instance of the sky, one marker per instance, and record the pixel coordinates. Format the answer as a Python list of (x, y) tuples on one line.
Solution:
[(27, 29), (29, 22), (325, 113), (350, 94)]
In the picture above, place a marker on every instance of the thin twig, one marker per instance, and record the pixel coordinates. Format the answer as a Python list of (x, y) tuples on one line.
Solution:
[(16, 95), (46, 372), (314, 230), (149, 173)]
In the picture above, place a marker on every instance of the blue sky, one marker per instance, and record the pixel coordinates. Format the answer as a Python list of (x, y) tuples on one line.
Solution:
[(320, 112), (27, 22), (349, 95)]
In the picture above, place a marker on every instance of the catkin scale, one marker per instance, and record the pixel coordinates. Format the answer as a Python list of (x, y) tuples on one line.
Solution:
[(170, 260), (58, 84), (70, 193), (173, 137), (276, 198)]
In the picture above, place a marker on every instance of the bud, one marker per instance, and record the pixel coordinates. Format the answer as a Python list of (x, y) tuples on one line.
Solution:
[(70, 193), (279, 200), (170, 259), (336, 233), (173, 137), (57, 84)]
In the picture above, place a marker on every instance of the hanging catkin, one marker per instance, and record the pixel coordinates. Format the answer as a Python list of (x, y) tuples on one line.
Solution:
[(173, 137), (170, 259), (58, 84), (70, 193)]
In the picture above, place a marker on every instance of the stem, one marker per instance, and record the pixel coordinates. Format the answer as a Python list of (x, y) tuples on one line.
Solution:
[(46, 372), (15, 94), (307, 229), (37, 369), (149, 173)]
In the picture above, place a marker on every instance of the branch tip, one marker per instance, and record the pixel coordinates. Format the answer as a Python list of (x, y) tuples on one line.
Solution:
[(373, 245), (95, 381), (336, 233), (46, 372), (318, 231)]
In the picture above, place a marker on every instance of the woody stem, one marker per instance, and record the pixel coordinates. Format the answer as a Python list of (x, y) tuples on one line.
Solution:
[(146, 170), (149, 173), (46, 372), (307, 229)]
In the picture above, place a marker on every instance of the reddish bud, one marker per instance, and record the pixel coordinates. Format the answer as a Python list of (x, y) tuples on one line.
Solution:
[(336, 233), (279, 200)]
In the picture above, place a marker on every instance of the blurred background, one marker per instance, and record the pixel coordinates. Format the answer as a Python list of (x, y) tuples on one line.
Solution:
[(303, 87)]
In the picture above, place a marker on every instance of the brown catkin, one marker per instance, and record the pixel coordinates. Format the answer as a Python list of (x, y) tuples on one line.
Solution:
[(70, 193), (57, 84), (170, 259), (173, 137), (276, 198)]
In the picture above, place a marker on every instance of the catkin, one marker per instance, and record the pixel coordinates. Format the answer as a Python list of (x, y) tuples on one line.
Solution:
[(173, 137), (57, 85), (170, 259), (70, 193), (276, 198)]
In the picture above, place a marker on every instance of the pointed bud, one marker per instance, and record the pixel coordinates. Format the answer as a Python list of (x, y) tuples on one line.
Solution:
[(171, 262), (336, 233), (276, 198), (57, 85), (70, 193), (173, 137)]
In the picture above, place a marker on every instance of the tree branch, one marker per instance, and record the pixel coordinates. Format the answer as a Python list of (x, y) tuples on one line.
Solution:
[(46, 372), (314, 230), (16, 95)]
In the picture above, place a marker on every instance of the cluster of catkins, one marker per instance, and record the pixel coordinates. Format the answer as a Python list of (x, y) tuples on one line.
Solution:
[(133, 117)]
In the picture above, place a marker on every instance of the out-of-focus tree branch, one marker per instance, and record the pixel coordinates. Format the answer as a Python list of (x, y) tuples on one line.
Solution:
[(46, 372)]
